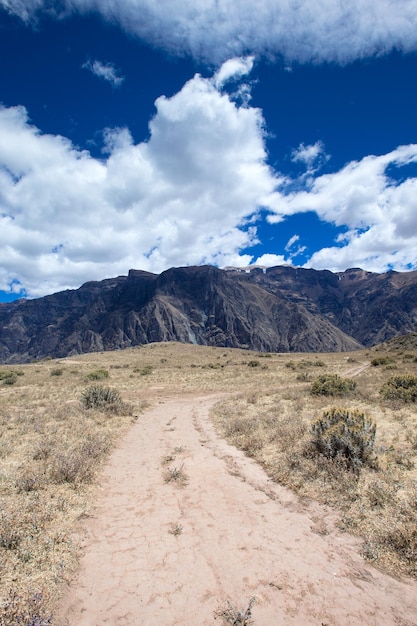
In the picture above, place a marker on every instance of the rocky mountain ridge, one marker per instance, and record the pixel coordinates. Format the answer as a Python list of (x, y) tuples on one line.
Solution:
[(278, 309)]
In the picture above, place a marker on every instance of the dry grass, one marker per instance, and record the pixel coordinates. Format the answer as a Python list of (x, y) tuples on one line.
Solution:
[(379, 503), (230, 615), (51, 447), (176, 475)]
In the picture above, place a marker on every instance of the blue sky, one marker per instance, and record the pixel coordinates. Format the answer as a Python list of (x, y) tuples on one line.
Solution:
[(144, 134)]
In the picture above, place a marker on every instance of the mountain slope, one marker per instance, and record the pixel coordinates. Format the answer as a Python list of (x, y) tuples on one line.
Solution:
[(281, 309)]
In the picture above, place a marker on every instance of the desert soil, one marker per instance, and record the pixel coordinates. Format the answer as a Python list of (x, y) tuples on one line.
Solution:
[(239, 536)]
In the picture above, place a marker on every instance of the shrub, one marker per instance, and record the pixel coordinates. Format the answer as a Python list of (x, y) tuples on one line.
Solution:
[(57, 371), (98, 375), (10, 533), (145, 370), (253, 363), (11, 379), (400, 388), (28, 478), (381, 360), (212, 366), (24, 610), (98, 397), (291, 365), (332, 385), (344, 435), (70, 466)]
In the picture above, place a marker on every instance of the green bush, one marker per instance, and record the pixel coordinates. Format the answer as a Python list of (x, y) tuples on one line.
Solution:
[(98, 397), (332, 385), (400, 388), (10, 373), (57, 371), (346, 436), (381, 360), (145, 370), (10, 379), (98, 375)]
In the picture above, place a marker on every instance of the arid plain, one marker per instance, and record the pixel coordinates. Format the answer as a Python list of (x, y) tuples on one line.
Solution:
[(213, 434)]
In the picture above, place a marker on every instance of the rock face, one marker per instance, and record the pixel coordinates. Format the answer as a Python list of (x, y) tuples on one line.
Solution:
[(280, 309)]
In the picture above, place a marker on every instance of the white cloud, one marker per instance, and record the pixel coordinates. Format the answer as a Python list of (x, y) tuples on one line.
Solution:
[(380, 213), (233, 68), (312, 156), (291, 242), (186, 196), (299, 30), (106, 71), (271, 260), (180, 198)]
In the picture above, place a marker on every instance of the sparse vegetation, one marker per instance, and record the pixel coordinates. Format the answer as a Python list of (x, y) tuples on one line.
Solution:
[(24, 610), (402, 387), (57, 371), (230, 615), (378, 503), (175, 529), (51, 446), (381, 360), (99, 374), (143, 371), (176, 475), (345, 436), (332, 385), (98, 397), (5, 374), (10, 379)]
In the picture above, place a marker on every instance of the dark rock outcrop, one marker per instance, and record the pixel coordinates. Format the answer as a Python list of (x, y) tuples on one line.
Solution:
[(280, 309)]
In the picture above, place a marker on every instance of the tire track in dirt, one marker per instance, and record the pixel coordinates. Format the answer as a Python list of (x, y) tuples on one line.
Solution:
[(355, 371), (242, 536)]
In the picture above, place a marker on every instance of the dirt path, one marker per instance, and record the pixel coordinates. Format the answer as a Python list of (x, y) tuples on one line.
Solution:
[(355, 371), (242, 537)]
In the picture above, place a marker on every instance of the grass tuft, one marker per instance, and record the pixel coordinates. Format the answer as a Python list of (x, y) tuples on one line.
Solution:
[(230, 615)]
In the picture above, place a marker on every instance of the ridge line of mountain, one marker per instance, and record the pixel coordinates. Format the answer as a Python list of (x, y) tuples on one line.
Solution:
[(277, 309)]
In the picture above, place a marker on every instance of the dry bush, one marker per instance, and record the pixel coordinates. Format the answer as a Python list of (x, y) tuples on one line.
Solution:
[(378, 504), (345, 436), (99, 374), (57, 371), (105, 399), (332, 385), (381, 360), (402, 387), (233, 616), (29, 609)]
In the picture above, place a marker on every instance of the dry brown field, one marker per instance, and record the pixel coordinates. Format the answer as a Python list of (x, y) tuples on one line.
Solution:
[(52, 446)]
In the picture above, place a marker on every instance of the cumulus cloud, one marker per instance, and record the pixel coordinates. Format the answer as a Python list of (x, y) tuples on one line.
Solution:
[(105, 71), (298, 30), (185, 196), (378, 211), (271, 260)]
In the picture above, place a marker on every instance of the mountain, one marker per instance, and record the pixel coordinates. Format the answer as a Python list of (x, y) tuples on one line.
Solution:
[(279, 309)]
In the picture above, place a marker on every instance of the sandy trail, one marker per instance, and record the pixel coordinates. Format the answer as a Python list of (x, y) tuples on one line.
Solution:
[(242, 536)]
